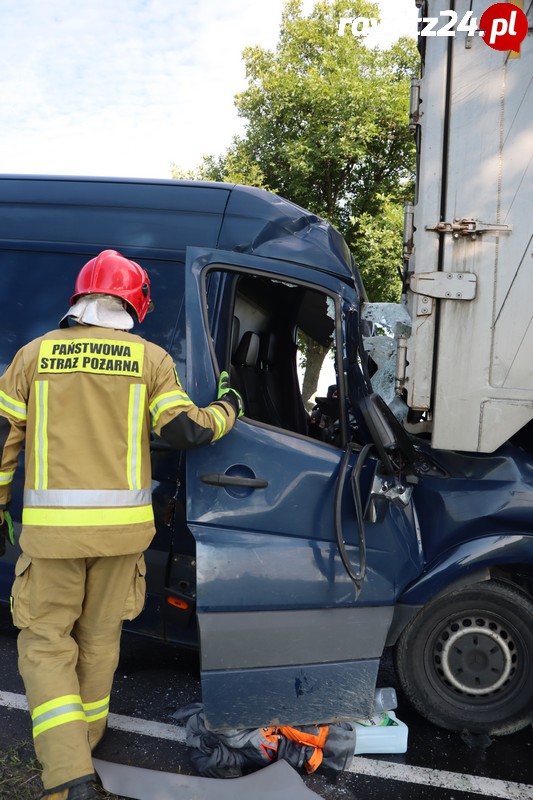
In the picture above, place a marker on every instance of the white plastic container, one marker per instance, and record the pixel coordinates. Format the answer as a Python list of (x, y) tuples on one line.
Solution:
[(372, 736)]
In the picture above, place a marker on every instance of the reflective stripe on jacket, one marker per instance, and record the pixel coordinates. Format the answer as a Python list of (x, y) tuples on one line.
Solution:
[(85, 400)]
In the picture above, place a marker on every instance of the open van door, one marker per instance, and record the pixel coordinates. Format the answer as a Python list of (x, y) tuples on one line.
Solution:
[(283, 638)]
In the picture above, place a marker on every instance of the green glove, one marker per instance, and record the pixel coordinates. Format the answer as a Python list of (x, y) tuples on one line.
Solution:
[(225, 392), (6, 530), (223, 385)]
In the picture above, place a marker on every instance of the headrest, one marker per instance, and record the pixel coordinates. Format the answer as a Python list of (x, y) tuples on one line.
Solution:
[(235, 332), (267, 348), (247, 352)]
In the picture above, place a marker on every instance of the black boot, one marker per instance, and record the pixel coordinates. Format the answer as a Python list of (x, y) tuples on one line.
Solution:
[(81, 791)]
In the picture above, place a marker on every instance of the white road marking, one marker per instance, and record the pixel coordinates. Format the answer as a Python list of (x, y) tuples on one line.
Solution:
[(145, 727), (440, 779), (158, 730), (11, 700)]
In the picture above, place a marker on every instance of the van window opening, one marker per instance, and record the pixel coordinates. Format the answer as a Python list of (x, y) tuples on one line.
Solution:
[(279, 342)]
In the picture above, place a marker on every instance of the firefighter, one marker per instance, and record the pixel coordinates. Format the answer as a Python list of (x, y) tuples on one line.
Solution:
[(84, 398)]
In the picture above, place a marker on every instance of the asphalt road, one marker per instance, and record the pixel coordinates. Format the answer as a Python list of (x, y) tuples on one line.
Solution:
[(154, 680)]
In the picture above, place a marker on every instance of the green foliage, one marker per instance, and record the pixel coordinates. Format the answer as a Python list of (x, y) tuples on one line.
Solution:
[(20, 774), (326, 115), (327, 127), (377, 240), (235, 166)]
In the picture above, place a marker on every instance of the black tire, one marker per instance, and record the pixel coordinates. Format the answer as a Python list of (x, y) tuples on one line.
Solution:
[(466, 660)]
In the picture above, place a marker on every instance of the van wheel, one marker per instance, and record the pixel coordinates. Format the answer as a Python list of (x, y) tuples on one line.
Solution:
[(466, 660)]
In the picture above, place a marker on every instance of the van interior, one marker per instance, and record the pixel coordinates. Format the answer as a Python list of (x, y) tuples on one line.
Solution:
[(265, 339)]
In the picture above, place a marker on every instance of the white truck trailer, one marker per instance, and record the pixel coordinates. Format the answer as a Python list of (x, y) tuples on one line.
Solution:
[(466, 368)]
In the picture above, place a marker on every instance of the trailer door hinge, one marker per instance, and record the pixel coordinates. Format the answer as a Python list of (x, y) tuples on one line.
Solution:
[(445, 285), (468, 227)]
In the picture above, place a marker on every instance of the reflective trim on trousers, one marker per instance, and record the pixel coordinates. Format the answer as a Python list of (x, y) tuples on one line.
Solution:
[(57, 712), (97, 710)]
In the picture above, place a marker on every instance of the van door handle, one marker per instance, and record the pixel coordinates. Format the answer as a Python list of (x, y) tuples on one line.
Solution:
[(220, 479)]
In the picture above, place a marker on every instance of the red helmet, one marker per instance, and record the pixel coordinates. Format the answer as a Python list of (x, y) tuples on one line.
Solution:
[(111, 273)]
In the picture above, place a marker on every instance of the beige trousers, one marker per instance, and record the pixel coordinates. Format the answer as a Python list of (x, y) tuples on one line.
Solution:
[(70, 614)]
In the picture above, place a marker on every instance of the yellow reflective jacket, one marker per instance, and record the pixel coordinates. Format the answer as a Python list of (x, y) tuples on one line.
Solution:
[(84, 399)]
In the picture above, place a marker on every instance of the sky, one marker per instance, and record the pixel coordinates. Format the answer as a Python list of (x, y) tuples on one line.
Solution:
[(125, 88)]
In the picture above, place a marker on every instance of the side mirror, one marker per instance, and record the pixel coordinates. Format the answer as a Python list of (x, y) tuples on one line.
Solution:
[(390, 439)]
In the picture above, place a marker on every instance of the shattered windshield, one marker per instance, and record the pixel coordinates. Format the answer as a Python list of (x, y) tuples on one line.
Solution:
[(386, 324)]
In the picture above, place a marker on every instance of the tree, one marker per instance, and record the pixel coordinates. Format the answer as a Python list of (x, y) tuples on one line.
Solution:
[(313, 358), (327, 127), (235, 166), (378, 242)]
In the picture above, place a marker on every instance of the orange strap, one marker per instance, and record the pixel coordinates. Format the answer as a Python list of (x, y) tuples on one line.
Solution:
[(309, 740), (270, 745)]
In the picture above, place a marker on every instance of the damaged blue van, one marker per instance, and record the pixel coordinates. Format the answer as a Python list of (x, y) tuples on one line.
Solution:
[(291, 556)]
